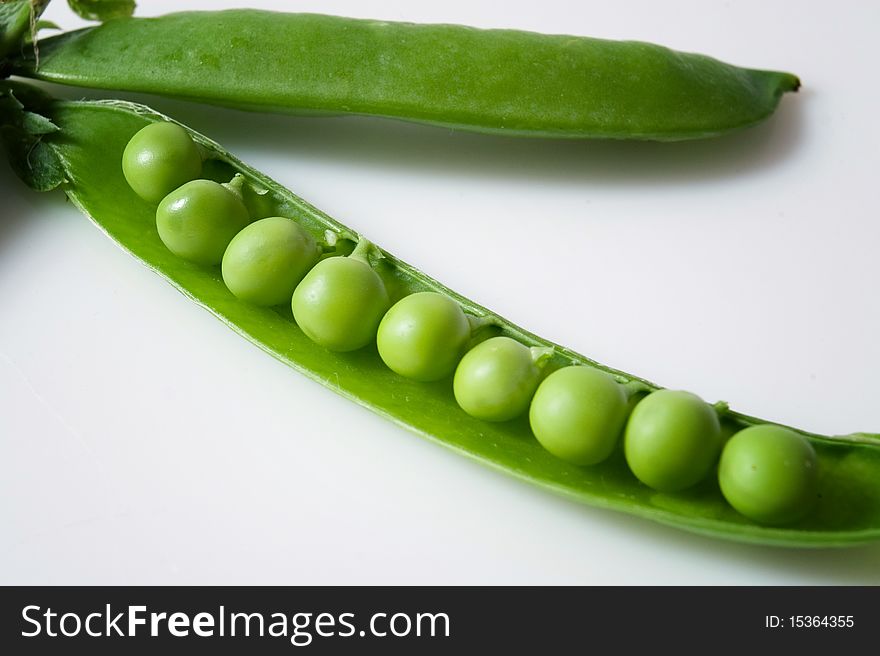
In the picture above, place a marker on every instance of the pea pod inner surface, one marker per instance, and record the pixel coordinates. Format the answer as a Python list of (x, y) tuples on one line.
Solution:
[(89, 144), (499, 81)]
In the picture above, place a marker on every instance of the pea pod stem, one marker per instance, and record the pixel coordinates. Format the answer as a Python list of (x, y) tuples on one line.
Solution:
[(236, 185), (635, 388), (541, 355), (722, 408), (363, 250), (328, 244), (478, 323)]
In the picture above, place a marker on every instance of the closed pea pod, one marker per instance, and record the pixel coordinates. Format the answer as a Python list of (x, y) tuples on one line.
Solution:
[(500, 81)]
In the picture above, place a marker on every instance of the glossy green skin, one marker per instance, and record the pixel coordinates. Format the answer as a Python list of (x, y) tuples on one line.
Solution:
[(499, 81), (423, 336), (159, 159), (578, 414), (769, 474), (340, 303), (198, 220), (94, 135), (496, 379), (672, 440), (265, 262)]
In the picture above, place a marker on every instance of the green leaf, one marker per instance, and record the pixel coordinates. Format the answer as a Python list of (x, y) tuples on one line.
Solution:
[(37, 124), (38, 26), (22, 132), (46, 25), (102, 10), (15, 19), (18, 28), (42, 168), (35, 162)]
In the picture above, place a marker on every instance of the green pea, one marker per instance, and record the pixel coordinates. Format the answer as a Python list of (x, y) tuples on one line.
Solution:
[(423, 336), (340, 303), (158, 159), (264, 262), (672, 440), (578, 413), (769, 474), (496, 379), (198, 220)]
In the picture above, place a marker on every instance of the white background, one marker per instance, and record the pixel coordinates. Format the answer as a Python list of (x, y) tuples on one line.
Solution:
[(142, 442)]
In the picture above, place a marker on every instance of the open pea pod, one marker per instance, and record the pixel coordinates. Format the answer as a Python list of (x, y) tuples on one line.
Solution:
[(498, 81), (80, 148)]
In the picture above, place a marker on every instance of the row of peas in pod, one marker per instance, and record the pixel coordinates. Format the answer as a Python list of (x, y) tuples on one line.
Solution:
[(672, 440)]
